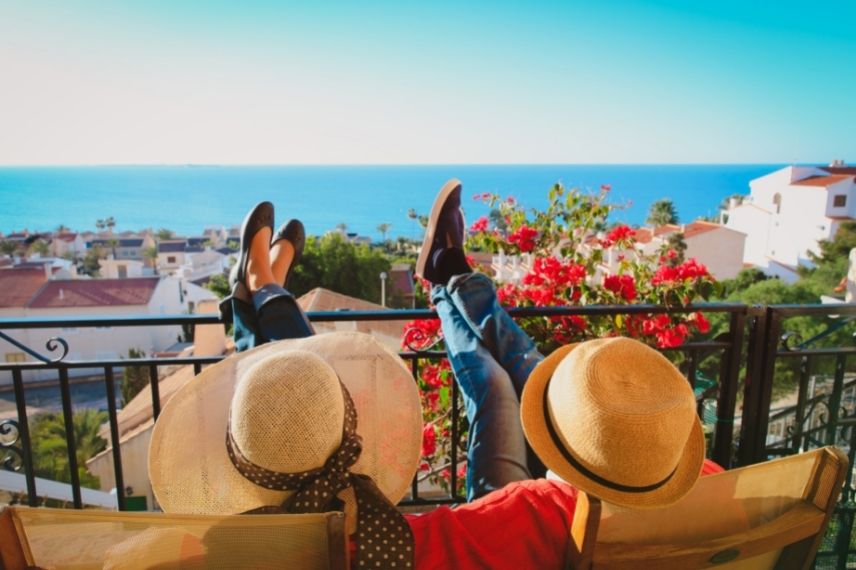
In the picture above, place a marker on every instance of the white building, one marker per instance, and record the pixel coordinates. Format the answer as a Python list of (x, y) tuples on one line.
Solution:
[(788, 211), (68, 243), (27, 293), (718, 247)]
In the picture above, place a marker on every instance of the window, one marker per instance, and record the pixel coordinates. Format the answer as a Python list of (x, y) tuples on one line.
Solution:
[(123, 271), (170, 259), (839, 201), (16, 357), (777, 202)]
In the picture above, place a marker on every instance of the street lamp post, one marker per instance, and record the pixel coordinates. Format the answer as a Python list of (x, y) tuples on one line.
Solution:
[(383, 277)]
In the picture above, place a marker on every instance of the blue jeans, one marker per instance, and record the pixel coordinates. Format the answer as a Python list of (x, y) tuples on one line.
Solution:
[(273, 315), (491, 357)]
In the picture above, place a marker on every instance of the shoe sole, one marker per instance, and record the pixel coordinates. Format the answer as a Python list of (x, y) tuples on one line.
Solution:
[(439, 202)]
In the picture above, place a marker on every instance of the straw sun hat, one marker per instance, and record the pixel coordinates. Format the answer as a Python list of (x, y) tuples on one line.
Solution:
[(616, 419), (287, 412)]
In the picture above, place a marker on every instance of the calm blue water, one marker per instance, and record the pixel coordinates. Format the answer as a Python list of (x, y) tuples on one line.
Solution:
[(186, 199)]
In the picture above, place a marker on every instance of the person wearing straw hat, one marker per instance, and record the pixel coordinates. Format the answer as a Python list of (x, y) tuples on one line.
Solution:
[(323, 423), (492, 358)]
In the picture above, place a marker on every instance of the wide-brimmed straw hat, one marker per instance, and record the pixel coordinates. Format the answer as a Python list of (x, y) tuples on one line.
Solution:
[(616, 419), (287, 413)]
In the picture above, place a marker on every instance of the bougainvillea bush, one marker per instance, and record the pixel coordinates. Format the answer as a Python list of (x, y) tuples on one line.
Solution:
[(574, 259)]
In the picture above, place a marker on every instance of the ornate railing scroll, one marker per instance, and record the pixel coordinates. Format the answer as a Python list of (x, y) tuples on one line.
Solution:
[(13, 455), (53, 344)]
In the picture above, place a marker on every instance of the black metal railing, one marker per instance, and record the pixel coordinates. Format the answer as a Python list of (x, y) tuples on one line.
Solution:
[(740, 363)]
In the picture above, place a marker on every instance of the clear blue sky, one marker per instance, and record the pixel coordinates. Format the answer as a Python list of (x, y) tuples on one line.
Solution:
[(94, 82)]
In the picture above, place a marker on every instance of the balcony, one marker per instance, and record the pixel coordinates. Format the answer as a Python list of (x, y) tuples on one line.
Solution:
[(733, 375)]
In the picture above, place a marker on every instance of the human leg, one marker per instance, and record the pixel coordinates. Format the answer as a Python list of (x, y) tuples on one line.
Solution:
[(496, 452), (474, 296), (262, 310)]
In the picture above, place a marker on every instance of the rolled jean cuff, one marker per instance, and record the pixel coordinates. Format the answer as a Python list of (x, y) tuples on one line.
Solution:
[(268, 293)]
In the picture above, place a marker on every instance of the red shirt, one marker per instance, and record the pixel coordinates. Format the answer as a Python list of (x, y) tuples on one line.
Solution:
[(523, 525)]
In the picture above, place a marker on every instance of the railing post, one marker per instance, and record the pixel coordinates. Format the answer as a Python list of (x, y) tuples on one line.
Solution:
[(24, 433), (755, 358), (729, 377), (68, 418)]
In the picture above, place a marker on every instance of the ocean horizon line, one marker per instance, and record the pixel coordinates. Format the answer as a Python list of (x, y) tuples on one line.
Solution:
[(405, 165)]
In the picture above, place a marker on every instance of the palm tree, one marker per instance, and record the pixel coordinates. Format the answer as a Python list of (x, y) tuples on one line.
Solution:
[(113, 243), (383, 228), (662, 212), (40, 247), (8, 247), (62, 228), (164, 233), (150, 254), (100, 225), (50, 449), (110, 223)]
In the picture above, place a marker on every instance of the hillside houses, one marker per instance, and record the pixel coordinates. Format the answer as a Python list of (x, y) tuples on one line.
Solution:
[(31, 292), (788, 211)]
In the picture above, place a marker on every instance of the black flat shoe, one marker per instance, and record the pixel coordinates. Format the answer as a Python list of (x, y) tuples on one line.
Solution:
[(294, 232), (261, 216)]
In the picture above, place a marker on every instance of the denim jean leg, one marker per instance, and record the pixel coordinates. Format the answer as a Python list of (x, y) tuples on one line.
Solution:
[(496, 453), (474, 296), (245, 329), (279, 316)]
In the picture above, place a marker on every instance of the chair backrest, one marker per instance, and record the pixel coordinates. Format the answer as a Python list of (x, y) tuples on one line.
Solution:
[(769, 515), (81, 539)]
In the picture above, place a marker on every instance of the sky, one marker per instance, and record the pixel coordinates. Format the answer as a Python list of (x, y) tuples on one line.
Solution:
[(403, 82)]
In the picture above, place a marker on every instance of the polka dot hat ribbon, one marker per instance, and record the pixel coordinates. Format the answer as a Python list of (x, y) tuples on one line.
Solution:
[(384, 538)]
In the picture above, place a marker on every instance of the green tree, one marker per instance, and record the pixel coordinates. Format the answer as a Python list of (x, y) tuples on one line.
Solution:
[(219, 285), (100, 225), (150, 255), (110, 223), (675, 242), (164, 233), (334, 263), (383, 228), (8, 247), (50, 449), (91, 265), (40, 247), (134, 378), (113, 243), (662, 212)]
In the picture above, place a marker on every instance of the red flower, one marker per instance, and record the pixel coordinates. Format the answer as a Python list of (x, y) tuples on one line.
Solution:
[(479, 225), (420, 333), (436, 375), (508, 295), (622, 285), (429, 440), (690, 269), (701, 323), (656, 324), (672, 337), (524, 238), (621, 234)]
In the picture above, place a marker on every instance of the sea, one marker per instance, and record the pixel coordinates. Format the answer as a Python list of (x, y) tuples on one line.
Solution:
[(188, 199)]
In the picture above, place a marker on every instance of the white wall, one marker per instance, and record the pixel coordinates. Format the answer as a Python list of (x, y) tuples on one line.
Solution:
[(721, 250), (97, 343)]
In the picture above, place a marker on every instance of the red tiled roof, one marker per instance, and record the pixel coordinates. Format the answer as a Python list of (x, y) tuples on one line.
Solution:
[(18, 286), (66, 237), (699, 227), (96, 293), (821, 181), (839, 169), (643, 235), (666, 229)]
